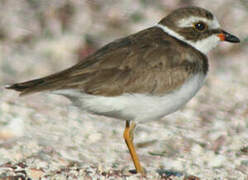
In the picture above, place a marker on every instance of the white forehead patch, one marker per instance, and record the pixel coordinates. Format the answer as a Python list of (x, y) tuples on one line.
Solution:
[(189, 21), (203, 45)]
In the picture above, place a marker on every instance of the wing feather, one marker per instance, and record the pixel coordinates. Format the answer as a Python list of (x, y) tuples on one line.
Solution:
[(149, 61)]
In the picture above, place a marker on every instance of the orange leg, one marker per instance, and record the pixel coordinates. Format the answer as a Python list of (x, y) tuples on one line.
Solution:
[(128, 136)]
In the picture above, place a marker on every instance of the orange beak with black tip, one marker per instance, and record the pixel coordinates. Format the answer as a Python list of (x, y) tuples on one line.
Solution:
[(225, 36)]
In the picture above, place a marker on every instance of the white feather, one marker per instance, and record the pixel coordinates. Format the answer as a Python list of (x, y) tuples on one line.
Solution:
[(189, 21), (204, 45), (138, 107), (170, 32)]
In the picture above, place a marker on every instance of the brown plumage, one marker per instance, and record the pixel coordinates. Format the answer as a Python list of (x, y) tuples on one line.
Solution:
[(149, 61), (141, 77)]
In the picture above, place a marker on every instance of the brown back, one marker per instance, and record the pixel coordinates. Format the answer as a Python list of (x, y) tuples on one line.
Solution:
[(149, 61)]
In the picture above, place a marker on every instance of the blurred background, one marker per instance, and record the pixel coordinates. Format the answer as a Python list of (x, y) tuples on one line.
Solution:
[(207, 138)]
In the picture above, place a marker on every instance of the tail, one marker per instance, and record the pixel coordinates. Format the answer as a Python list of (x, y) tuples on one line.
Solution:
[(28, 87), (65, 79), (60, 80), (47, 83)]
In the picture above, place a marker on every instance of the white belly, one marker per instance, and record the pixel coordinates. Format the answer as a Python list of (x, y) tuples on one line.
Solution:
[(138, 107)]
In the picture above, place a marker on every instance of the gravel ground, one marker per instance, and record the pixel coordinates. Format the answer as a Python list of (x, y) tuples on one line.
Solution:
[(43, 137)]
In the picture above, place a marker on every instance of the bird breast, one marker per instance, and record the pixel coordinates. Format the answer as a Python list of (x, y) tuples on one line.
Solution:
[(138, 107)]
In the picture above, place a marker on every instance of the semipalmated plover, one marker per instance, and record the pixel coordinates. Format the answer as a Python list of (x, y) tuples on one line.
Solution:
[(143, 76)]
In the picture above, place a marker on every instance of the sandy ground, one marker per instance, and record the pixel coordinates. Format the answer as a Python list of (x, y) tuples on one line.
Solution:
[(42, 136)]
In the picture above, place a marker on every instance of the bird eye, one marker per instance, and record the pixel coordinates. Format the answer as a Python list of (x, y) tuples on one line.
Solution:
[(200, 26)]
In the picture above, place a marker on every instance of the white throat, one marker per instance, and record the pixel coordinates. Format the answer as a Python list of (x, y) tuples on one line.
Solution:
[(204, 45)]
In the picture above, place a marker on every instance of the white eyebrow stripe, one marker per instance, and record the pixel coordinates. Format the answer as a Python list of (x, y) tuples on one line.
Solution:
[(204, 45), (187, 22)]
